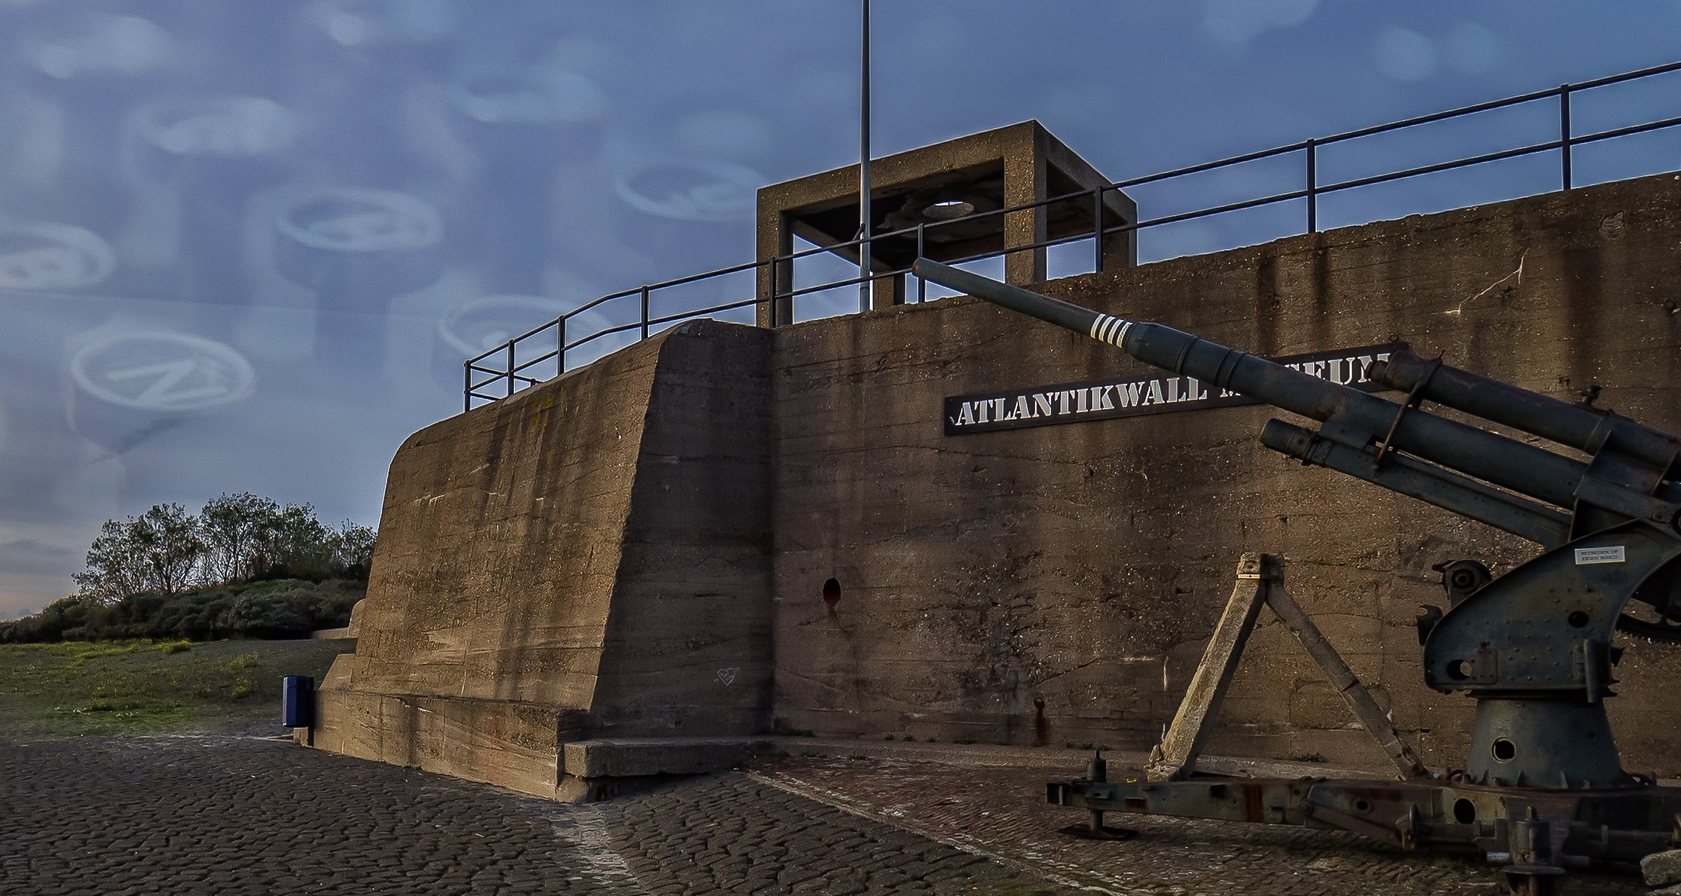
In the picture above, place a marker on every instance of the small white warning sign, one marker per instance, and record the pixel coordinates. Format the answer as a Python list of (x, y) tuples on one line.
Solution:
[(1589, 556)]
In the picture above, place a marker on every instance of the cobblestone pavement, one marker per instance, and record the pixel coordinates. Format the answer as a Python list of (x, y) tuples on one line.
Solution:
[(1002, 810), (244, 815)]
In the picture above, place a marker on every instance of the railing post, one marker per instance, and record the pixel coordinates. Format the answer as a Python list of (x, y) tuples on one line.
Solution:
[(560, 346), (1312, 187), (1097, 229), (1564, 131), (774, 287), (921, 284), (466, 386), (644, 312), (510, 368)]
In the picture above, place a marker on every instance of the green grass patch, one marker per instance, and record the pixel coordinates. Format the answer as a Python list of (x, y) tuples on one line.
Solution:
[(144, 687)]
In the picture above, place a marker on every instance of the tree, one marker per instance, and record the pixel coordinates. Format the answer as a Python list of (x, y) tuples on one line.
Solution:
[(296, 545), (235, 530), (353, 551), (237, 538), (157, 552)]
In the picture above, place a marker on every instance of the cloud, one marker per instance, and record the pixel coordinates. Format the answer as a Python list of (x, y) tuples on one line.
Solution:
[(29, 555), (17, 606), (1240, 21), (1405, 55), (126, 45)]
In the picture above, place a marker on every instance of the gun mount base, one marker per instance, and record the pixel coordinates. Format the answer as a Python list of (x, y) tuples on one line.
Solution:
[(1544, 742)]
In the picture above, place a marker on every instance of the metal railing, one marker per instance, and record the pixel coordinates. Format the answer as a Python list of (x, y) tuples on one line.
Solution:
[(551, 341)]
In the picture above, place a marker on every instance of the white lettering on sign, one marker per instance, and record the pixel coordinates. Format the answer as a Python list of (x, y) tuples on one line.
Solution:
[(1101, 400), (1590, 556)]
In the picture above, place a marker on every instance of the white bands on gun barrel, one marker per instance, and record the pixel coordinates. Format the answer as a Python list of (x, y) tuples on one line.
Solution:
[(1109, 329)]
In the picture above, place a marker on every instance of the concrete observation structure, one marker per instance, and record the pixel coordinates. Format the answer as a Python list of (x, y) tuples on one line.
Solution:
[(950, 189), (725, 532)]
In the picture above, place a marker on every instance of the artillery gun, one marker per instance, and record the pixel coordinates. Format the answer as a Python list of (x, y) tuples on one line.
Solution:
[(1543, 788)]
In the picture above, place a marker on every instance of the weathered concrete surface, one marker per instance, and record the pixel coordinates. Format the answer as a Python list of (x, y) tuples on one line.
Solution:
[(1058, 583), (659, 756), (587, 558)]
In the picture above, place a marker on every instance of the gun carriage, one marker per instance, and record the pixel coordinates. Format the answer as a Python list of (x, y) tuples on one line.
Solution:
[(1543, 789)]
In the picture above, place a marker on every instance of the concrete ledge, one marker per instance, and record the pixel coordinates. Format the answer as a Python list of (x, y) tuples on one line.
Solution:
[(504, 743), (626, 758), (333, 634)]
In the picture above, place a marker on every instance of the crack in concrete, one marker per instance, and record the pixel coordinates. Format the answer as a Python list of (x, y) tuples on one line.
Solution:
[(1517, 274)]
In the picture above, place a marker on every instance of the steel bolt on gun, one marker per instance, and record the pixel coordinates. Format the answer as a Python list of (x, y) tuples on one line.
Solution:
[(1543, 789)]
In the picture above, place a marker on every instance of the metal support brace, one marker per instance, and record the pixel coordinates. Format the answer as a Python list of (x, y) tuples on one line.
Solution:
[(1176, 756), (1358, 697), (1260, 580)]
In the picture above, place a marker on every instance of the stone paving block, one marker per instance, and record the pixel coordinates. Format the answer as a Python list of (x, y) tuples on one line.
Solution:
[(1662, 869)]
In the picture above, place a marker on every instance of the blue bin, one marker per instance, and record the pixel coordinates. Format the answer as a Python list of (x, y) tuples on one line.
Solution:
[(297, 701)]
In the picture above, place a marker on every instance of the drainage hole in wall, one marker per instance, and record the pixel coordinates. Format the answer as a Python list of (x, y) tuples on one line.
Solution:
[(831, 593)]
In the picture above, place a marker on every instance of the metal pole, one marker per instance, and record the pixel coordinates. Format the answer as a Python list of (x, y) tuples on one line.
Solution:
[(864, 170), (644, 312), (921, 282), (560, 346), (510, 367), (467, 386), (1096, 229), (1564, 130), (773, 287), (1312, 189)]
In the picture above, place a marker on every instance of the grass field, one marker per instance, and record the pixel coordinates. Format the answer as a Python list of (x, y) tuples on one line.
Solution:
[(127, 688)]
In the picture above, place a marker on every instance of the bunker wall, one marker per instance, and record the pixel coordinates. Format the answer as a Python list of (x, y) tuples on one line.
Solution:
[(1058, 584), (589, 556)]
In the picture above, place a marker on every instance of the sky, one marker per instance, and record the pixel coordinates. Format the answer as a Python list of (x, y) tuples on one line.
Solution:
[(247, 246)]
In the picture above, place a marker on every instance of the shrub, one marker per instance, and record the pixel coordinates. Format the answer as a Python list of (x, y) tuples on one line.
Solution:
[(285, 608), (51, 624), (267, 613)]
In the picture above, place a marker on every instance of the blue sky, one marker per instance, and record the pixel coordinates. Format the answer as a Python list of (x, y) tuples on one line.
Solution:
[(184, 187)]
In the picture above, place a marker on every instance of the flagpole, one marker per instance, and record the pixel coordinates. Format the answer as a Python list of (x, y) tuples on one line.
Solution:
[(864, 170)]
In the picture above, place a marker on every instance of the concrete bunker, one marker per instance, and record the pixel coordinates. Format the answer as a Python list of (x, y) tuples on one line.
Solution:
[(610, 575)]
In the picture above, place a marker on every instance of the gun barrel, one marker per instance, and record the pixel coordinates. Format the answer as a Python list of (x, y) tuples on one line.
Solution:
[(1510, 464), (1585, 429), (1427, 482)]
